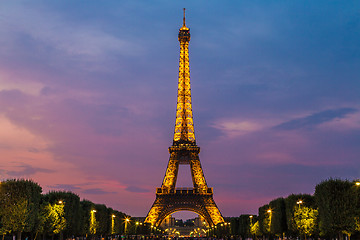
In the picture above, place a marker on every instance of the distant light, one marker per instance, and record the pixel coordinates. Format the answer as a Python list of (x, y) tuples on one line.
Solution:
[(299, 202), (269, 211), (94, 211), (357, 183), (113, 215), (60, 202)]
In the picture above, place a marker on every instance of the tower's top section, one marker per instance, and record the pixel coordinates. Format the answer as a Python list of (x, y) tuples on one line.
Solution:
[(184, 125), (184, 32)]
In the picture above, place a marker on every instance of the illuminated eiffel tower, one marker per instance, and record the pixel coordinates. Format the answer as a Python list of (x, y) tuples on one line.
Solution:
[(184, 150)]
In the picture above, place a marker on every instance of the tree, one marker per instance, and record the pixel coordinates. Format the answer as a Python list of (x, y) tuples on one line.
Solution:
[(305, 219), (291, 203), (338, 208), (234, 226), (264, 219), (245, 223), (55, 221), (255, 229), (14, 216), (278, 217), (72, 210), (86, 226), (103, 218), (20, 204)]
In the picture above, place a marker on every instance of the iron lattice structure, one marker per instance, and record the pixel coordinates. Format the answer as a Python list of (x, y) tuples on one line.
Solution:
[(184, 150)]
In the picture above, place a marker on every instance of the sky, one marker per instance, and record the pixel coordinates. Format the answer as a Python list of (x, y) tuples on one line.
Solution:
[(88, 97)]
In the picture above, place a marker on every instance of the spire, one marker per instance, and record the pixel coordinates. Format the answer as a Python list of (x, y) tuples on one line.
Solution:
[(184, 25)]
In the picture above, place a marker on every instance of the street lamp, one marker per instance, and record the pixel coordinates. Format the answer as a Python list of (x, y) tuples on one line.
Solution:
[(270, 216), (60, 202), (112, 223), (251, 223), (92, 222), (357, 183), (127, 220)]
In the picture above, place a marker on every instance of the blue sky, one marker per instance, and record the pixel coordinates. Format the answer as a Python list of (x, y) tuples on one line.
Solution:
[(88, 96)]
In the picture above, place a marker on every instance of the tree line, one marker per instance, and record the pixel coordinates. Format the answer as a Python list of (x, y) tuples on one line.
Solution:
[(27, 213), (333, 212)]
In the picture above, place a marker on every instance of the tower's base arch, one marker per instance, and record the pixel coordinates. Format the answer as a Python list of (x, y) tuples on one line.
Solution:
[(184, 200)]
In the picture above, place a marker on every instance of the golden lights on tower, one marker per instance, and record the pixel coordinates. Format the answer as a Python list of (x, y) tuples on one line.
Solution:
[(184, 150), (184, 125)]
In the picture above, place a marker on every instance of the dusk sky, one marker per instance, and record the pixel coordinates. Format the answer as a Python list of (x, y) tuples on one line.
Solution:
[(88, 97)]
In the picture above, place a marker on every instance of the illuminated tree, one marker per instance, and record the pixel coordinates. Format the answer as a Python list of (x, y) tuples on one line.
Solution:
[(20, 204), (14, 216), (305, 219), (93, 223), (255, 229), (338, 207), (55, 218), (264, 220), (291, 204), (72, 210)]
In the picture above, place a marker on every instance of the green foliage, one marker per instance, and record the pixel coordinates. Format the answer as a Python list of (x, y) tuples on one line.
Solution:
[(234, 226), (103, 219), (278, 217), (290, 204), (93, 224), (86, 208), (55, 221), (24, 209), (15, 216), (255, 229), (264, 220), (245, 224), (305, 219), (338, 207), (72, 210), (20, 205)]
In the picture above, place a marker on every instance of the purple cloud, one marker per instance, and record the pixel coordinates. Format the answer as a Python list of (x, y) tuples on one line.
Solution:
[(316, 119)]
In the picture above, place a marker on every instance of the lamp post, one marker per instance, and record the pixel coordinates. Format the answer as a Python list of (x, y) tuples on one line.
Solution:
[(251, 219), (127, 220), (270, 216), (60, 202), (112, 224), (92, 222), (136, 226)]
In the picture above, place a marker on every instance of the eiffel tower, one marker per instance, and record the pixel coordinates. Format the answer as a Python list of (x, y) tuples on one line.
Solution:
[(184, 150)]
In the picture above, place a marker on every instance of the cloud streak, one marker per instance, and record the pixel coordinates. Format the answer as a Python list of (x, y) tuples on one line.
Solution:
[(27, 171), (316, 119)]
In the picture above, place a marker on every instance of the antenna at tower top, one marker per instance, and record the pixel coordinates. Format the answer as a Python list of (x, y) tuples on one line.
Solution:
[(184, 25)]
